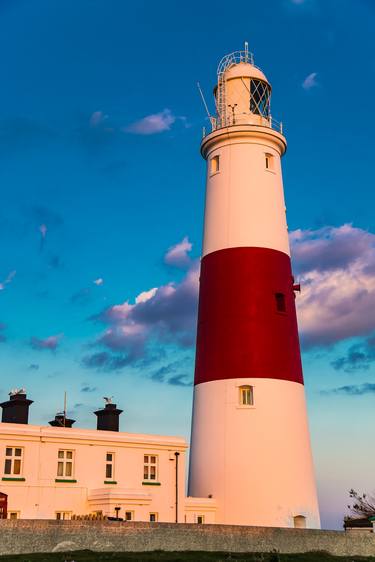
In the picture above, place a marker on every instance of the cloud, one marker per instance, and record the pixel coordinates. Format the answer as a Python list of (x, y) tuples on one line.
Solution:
[(170, 374), (81, 297), (88, 388), (54, 262), (310, 81), (43, 232), (337, 274), (33, 367), (51, 342), (358, 357), (105, 361), (97, 118), (98, 281), (159, 316), (335, 265), (8, 280), (177, 255), (152, 124), (45, 217), (352, 389), (23, 133)]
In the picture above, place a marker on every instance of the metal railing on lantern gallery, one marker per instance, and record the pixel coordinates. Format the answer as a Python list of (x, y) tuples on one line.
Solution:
[(266, 122), (222, 120)]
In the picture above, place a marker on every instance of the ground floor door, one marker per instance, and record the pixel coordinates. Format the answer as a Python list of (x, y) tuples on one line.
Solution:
[(3, 505)]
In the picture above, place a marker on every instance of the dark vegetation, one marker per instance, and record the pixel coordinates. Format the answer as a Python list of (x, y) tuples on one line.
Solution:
[(88, 556), (363, 505)]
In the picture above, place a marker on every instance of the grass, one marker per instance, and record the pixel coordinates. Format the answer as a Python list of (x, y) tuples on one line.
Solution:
[(161, 556)]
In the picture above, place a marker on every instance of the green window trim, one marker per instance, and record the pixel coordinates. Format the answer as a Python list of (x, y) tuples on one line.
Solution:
[(110, 481), (65, 480), (146, 483), (6, 479)]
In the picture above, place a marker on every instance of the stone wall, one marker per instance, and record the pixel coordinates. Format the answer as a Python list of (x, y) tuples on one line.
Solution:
[(26, 536)]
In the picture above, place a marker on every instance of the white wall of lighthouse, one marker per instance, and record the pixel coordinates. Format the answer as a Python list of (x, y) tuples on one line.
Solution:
[(255, 459)]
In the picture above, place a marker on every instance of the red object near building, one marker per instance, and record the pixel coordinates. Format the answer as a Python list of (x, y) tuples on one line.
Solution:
[(3, 506)]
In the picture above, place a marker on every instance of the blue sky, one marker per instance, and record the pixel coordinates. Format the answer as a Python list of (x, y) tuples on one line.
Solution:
[(102, 194)]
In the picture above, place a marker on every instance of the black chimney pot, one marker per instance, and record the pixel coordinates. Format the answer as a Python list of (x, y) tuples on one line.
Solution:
[(16, 409), (61, 421), (108, 417)]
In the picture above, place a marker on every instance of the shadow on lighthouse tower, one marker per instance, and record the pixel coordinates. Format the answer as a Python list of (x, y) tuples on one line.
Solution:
[(250, 444)]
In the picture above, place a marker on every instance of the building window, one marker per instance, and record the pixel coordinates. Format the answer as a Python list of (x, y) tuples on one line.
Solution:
[(199, 519), (129, 515), (63, 515), (65, 464), (280, 302), (269, 160), (109, 467), (215, 164), (299, 522), (153, 517), (13, 514), (150, 467), (246, 395), (13, 461)]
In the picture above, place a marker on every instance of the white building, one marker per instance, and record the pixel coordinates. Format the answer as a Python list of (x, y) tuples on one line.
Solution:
[(62, 472)]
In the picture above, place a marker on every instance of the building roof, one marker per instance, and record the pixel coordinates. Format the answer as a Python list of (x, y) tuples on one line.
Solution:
[(36, 432), (358, 523)]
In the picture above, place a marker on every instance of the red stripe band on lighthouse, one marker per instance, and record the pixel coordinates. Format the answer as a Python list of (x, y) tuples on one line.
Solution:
[(247, 324)]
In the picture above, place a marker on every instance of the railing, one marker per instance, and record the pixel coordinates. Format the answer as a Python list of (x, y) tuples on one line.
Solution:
[(270, 122)]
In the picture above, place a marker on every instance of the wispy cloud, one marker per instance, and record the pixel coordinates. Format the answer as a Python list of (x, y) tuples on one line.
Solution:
[(171, 374), (352, 389), (105, 361), (153, 124), (87, 388), (178, 255), (310, 81), (50, 343), (358, 357), (97, 118), (7, 280), (3, 337), (82, 296)]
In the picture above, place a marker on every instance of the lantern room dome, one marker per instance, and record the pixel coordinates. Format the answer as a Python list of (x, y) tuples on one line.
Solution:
[(244, 70)]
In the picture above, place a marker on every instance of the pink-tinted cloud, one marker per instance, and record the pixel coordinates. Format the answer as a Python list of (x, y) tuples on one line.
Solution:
[(310, 81), (152, 124), (178, 255), (337, 273), (50, 343), (97, 118)]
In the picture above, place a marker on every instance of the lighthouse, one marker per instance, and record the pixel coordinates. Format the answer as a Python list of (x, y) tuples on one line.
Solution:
[(250, 444)]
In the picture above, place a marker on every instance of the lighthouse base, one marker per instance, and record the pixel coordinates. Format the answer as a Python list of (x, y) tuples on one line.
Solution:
[(255, 460)]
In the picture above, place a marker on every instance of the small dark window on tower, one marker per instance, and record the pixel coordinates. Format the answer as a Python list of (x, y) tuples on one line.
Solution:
[(269, 161), (215, 164), (280, 302)]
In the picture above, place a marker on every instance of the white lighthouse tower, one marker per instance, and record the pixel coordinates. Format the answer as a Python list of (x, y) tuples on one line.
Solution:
[(250, 445)]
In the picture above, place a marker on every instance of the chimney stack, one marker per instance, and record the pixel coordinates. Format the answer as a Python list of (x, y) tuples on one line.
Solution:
[(16, 409), (108, 417), (61, 421)]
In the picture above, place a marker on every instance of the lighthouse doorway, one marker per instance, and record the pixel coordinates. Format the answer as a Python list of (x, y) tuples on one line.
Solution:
[(3, 506)]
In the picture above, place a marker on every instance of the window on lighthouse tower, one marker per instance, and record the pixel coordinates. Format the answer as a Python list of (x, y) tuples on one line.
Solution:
[(280, 302), (215, 165), (246, 395)]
